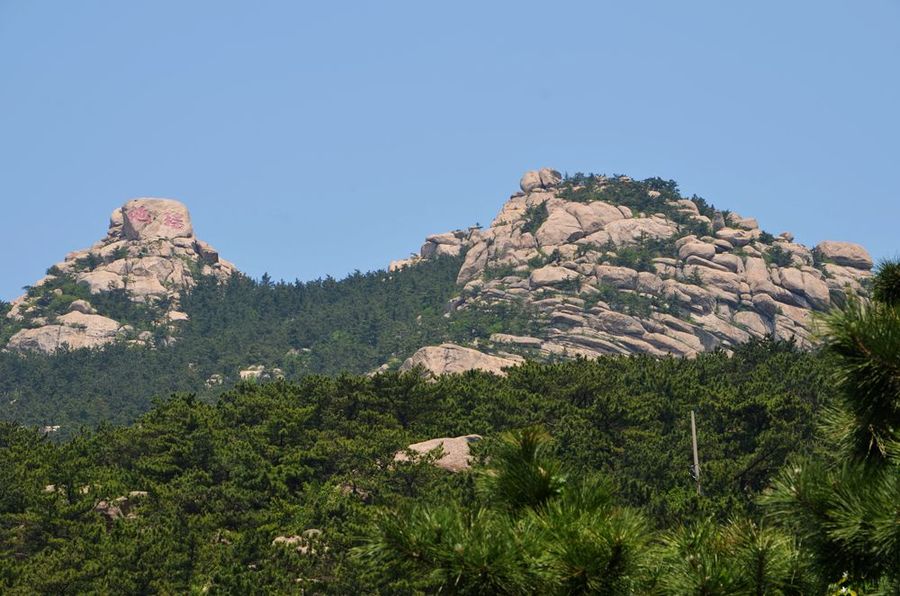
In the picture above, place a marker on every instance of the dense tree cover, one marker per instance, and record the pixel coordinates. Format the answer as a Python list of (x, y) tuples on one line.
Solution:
[(582, 483), (537, 527), (326, 326), (224, 480)]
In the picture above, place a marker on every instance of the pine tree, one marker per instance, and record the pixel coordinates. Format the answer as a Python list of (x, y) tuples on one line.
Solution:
[(846, 508)]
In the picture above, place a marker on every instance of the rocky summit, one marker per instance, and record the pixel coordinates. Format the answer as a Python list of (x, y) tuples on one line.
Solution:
[(611, 265), (148, 257)]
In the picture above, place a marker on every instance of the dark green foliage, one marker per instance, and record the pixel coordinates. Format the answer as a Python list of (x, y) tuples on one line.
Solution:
[(554, 257), (534, 217), (535, 531), (866, 341), (775, 255), (324, 326), (479, 322), (499, 272), (738, 558), (819, 260), (523, 475), (276, 459), (766, 238), (704, 207), (635, 194), (886, 285), (845, 515), (88, 263), (573, 539), (448, 549), (54, 297), (628, 301), (845, 504), (7, 326), (640, 256)]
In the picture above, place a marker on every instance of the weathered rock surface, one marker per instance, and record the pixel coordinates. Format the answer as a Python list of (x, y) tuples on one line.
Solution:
[(451, 358), (150, 219), (517, 340), (150, 252), (308, 543), (73, 330), (543, 178), (455, 455), (846, 254), (549, 276), (705, 278)]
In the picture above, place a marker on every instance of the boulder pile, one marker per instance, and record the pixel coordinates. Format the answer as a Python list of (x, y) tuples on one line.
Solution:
[(450, 358), (613, 266)]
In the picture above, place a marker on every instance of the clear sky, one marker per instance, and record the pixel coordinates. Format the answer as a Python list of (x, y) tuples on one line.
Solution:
[(315, 138)]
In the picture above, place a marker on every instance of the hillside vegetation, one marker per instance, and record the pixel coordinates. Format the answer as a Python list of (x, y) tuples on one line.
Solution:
[(326, 326), (580, 486), (277, 459), (586, 265), (152, 466)]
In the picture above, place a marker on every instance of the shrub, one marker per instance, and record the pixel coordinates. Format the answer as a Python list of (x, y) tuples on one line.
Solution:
[(886, 285), (819, 259), (535, 216), (766, 238), (499, 272), (777, 256)]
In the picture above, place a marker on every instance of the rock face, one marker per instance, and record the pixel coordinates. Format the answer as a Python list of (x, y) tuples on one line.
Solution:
[(455, 455), (151, 219), (613, 265), (437, 245), (451, 358), (846, 254), (149, 252), (75, 330), (543, 178)]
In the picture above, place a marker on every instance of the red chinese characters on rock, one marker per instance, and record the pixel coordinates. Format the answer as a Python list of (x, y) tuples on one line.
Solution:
[(174, 220), (139, 215)]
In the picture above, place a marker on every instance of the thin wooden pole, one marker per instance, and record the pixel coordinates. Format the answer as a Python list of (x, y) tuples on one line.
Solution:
[(696, 469)]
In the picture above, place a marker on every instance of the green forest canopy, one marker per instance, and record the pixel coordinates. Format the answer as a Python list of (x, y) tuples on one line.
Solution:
[(326, 326), (276, 459)]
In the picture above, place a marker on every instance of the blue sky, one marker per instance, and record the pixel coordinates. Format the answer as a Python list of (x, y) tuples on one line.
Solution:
[(317, 138)]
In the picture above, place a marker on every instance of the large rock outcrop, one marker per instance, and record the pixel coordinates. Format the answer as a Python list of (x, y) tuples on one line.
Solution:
[(74, 329), (455, 452), (613, 265), (451, 358), (149, 254)]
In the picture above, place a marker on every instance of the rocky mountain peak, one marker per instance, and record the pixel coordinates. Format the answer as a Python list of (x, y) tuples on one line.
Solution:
[(147, 259), (605, 265)]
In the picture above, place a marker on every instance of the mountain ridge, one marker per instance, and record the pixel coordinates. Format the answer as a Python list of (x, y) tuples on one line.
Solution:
[(412, 315), (601, 265)]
